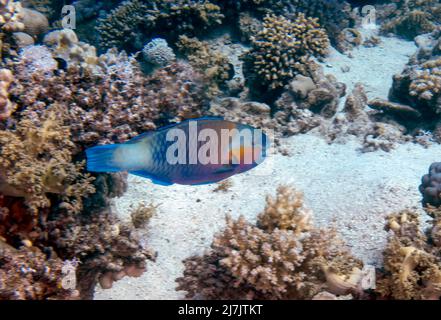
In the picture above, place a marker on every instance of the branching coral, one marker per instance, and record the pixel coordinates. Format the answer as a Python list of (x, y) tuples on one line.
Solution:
[(6, 106), (284, 48), (283, 257), (36, 160)]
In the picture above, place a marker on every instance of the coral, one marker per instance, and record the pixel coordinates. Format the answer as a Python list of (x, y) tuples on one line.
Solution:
[(10, 22), (419, 85), (284, 48), (134, 20), (394, 109), (409, 18), (6, 106), (35, 23), (113, 100), (36, 159), (27, 273), (107, 249), (214, 65), (348, 39), (412, 268), (430, 186), (158, 53), (356, 120), (141, 216), (284, 258)]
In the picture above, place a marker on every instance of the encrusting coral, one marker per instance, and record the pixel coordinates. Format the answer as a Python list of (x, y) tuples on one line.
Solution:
[(284, 49), (282, 257)]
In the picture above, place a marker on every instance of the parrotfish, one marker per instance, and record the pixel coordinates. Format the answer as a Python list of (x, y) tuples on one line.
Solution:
[(193, 152)]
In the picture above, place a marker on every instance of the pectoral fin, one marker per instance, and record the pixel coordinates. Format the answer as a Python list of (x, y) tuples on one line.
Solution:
[(226, 169)]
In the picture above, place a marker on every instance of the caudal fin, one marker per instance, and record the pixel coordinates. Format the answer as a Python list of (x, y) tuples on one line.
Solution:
[(101, 159)]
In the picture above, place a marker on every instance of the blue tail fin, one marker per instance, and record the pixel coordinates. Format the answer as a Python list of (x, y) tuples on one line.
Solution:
[(100, 159)]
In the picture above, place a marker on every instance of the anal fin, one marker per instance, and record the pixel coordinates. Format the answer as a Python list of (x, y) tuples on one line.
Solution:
[(153, 178)]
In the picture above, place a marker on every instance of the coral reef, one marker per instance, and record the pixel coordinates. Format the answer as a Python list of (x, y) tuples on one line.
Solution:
[(36, 159), (412, 265), (27, 273), (6, 106), (284, 49), (282, 257), (158, 53), (10, 21), (214, 65), (409, 18), (114, 101), (430, 186), (375, 132), (127, 25), (142, 215)]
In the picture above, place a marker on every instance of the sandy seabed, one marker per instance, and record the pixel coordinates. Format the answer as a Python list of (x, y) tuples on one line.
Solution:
[(347, 189)]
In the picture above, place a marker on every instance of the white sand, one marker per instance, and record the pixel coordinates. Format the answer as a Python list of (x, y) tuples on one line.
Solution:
[(345, 188)]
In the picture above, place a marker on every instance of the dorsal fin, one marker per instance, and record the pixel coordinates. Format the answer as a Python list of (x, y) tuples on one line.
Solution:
[(169, 126)]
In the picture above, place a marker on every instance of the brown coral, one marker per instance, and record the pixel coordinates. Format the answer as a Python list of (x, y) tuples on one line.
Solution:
[(283, 257), (214, 65), (284, 47), (36, 160), (27, 273), (412, 267)]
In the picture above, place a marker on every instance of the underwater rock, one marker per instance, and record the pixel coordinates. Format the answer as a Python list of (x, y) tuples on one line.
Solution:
[(158, 53), (394, 109), (430, 186), (35, 23), (145, 19), (22, 39), (283, 257)]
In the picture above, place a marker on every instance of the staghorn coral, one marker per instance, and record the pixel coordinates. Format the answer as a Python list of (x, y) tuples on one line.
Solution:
[(430, 186), (214, 65), (127, 25), (284, 48), (412, 266), (36, 159), (27, 273), (283, 257)]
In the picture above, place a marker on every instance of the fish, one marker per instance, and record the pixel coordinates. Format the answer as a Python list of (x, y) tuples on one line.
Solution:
[(193, 152)]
